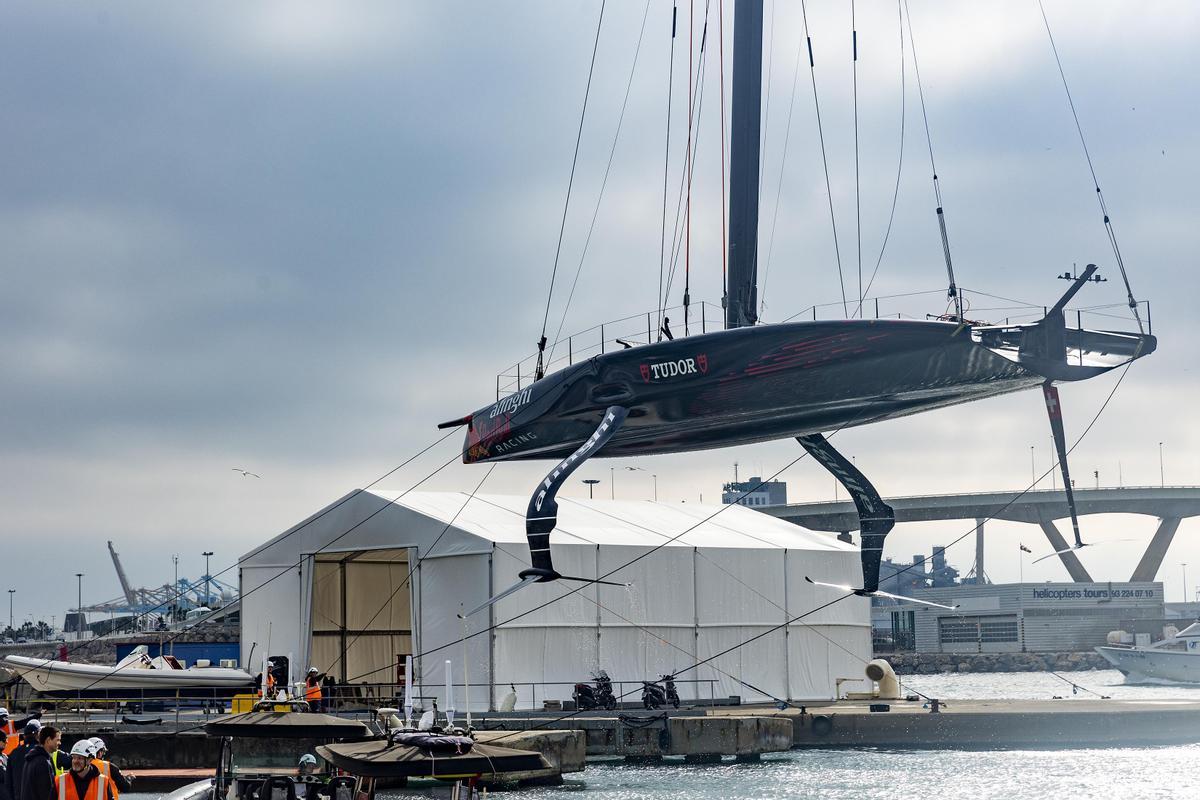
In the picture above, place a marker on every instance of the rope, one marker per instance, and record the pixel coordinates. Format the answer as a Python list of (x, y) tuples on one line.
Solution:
[(857, 184), (899, 164), (812, 66), (662, 242), (1112, 236), (540, 371), (603, 183), (689, 160), (952, 290), (724, 204)]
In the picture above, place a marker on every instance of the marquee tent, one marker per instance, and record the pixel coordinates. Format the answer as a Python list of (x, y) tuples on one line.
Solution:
[(377, 576)]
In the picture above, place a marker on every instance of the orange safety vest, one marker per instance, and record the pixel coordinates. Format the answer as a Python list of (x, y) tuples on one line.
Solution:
[(12, 739), (106, 772), (66, 788), (312, 691)]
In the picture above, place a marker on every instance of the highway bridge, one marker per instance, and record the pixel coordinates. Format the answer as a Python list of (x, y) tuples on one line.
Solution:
[(1170, 504)]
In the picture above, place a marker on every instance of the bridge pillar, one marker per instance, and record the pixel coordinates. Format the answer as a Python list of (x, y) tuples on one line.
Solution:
[(1152, 559), (980, 575), (1069, 559)]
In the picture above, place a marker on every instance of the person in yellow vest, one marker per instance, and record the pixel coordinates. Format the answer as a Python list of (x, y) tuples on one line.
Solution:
[(120, 783), (312, 689), (84, 781)]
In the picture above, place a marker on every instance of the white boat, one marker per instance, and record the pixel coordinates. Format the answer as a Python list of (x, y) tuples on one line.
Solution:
[(1173, 660), (136, 671)]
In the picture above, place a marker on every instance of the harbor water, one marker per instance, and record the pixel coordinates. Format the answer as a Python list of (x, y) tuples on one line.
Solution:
[(855, 774)]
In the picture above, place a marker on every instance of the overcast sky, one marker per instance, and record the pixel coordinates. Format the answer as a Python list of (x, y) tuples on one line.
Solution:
[(292, 237)]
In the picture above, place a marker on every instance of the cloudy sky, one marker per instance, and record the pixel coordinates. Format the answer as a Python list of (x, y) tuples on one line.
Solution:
[(292, 237)]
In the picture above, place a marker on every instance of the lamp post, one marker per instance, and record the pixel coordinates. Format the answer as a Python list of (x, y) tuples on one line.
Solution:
[(1184, 565), (10, 614), (653, 477), (591, 484), (79, 605), (1162, 481), (207, 597), (1032, 467), (612, 483)]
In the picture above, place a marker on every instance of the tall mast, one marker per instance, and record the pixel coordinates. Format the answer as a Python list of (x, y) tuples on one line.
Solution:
[(741, 299)]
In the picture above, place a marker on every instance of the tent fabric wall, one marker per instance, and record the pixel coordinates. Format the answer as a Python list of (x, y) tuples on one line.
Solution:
[(703, 580)]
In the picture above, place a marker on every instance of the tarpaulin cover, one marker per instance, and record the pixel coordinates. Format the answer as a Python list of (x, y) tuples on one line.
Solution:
[(287, 725), (378, 759)]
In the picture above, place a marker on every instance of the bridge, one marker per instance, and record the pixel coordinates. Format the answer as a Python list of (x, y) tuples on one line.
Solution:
[(1171, 504)]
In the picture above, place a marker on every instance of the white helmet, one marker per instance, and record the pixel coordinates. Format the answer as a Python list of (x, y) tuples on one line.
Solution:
[(82, 748), (98, 744), (3, 711), (308, 758)]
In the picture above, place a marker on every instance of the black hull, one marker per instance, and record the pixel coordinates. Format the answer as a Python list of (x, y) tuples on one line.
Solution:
[(747, 385)]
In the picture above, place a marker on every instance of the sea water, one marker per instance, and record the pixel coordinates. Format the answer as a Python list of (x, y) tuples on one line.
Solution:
[(1129, 773)]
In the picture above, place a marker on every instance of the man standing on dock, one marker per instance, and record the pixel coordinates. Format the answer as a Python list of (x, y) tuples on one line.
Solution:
[(37, 776), (120, 783), (312, 689), (9, 729), (84, 781), (17, 758)]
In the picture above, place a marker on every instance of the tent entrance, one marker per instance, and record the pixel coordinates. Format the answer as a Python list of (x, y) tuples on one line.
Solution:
[(362, 617)]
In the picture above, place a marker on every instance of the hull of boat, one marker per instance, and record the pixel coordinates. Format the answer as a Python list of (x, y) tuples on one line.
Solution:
[(64, 676), (1154, 666), (747, 385)]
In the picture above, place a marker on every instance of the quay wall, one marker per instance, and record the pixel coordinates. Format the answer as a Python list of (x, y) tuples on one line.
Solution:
[(933, 663)]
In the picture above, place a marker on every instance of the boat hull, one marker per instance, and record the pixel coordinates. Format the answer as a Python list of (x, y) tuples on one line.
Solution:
[(63, 676), (1154, 666)]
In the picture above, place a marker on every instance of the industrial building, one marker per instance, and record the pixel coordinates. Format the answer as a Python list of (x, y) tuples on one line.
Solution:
[(1020, 617), (334, 592), (755, 492)]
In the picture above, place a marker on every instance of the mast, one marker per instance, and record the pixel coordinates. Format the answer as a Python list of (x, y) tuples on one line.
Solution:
[(741, 298)]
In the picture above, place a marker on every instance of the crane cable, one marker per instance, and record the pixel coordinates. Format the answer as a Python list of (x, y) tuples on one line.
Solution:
[(812, 68), (540, 372), (1108, 228), (952, 290)]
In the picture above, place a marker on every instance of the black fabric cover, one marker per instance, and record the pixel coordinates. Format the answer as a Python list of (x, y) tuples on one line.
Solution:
[(287, 725), (378, 759)]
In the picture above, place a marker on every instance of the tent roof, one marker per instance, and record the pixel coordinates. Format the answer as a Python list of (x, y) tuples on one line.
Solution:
[(501, 518)]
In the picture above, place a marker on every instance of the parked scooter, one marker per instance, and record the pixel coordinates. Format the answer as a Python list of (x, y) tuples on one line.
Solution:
[(672, 695), (653, 696), (588, 697)]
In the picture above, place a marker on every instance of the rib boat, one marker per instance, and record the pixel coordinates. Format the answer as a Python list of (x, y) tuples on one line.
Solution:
[(136, 671)]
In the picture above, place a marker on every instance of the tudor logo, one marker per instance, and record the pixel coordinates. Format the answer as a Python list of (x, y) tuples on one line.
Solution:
[(674, 369)]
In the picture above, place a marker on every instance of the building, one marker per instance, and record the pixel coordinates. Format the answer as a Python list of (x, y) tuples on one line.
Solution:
[(755, 492), (335, 592), (1021, 617)]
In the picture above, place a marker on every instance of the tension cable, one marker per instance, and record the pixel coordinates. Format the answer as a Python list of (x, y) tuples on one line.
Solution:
[(1108, 228), (662, 242), (540, 372), (952, 290)]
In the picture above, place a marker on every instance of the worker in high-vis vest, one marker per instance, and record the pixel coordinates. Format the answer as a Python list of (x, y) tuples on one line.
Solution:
[(312, 688), (120, 782), (84, 781), (10, 729)]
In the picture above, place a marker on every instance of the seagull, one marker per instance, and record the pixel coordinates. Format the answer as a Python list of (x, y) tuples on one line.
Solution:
[(246, 474)]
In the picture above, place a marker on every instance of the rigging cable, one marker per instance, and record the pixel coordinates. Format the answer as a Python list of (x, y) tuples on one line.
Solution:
[(899, 163), (721, 65), (603, 183), (787, 134), (857, 184), (662, 242), (689, 162), (952, 291), (539, 373), (1112, 236), (812, 67)]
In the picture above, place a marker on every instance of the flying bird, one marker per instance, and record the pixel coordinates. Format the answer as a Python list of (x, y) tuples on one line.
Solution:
[(246, 474)]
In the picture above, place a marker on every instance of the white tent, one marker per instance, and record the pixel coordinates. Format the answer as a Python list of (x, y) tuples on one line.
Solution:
[(334, 591)]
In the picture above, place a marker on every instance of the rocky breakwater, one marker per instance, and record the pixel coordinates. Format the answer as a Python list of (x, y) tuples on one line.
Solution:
[(933, 663), (103, 649)]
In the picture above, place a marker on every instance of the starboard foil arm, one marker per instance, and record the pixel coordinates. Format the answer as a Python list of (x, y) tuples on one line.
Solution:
[(541, 517), (875, 517), (877, 593)]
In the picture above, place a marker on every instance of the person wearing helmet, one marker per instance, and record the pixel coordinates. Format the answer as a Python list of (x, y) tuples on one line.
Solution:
[(17, 758), (120, 783), (11, 728), (84, 781), (312, 689), (37, 774), (306, 778)]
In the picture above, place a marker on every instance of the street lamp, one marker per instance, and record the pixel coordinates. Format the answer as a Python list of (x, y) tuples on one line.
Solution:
[(653, 477), (1032, 466), (1162, 481), (79, 605), (10, 616), (591, 484), (1184, 565), (207, 597), (612, 483)]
